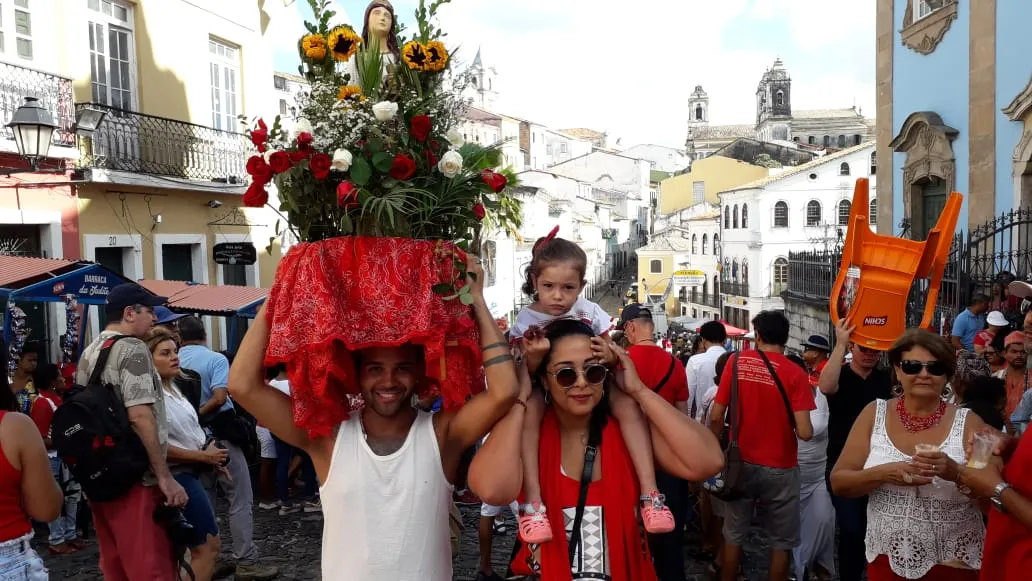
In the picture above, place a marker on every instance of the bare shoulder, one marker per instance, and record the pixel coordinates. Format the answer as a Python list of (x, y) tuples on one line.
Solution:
[(16, 423)]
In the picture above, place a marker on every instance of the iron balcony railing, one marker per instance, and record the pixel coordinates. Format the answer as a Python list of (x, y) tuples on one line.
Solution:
[(148, 144), (53, 92), (735, 289), (705, 299), (811, 275)]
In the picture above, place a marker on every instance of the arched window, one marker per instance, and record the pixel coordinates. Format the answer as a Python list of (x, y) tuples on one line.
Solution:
[(843, 169), (745, 215), (874, 162), (827, 141), (704, 240), (841, 141), (813, 213), (716, 285), (844, 207), (780, 98), (727, 217), (781, 215), (779, 276), (656, 266), (857, 140), (698, 112), (695, 244), (716, 244), (873, 217), (734, 217), (811, 140)]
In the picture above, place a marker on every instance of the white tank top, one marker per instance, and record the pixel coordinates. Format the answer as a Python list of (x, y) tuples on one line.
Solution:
[(385, 518)]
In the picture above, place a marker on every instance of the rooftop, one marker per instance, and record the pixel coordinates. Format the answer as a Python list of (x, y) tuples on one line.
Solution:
[(582, 133), (825, 113), (669, 242), (723, 131), (831, 157)]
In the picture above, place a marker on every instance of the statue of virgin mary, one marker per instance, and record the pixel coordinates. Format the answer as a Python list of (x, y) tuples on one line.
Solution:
[(379, 28)]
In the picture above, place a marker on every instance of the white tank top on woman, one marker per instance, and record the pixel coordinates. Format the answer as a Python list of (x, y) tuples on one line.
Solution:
[(918, 527), (385, 518)]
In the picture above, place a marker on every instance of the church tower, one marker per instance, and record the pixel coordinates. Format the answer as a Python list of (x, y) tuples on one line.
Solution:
[(483, 87), (698, 108), (774, 104)]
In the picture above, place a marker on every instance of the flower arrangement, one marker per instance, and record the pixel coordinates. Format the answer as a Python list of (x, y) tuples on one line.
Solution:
[(375, 151)]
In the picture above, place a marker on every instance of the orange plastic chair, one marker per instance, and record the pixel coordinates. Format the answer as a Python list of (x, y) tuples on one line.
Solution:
[(877, 272)]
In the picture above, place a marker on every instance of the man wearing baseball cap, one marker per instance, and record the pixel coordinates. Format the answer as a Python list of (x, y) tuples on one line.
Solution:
[(665, 375), (132, 544), (1016, 375)]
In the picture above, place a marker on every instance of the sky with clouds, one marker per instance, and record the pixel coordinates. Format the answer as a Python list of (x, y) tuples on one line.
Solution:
[(628, 67)]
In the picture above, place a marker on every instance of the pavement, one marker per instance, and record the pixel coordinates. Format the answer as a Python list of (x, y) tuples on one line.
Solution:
[(293, 544)]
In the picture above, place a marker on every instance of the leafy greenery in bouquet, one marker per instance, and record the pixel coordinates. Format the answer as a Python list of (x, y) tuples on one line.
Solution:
[(376, 151)]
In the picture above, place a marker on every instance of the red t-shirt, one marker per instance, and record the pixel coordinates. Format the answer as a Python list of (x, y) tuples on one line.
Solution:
[(764, 435), (43, 411), (984, 338), (652, 363), (815, 373), (1008, 543)]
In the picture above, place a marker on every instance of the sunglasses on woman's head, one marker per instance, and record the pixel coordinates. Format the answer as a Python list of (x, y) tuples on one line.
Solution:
[(935, 368), (566, 377)]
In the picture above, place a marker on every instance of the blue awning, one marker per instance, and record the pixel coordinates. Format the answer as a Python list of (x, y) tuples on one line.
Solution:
[(88, 282)]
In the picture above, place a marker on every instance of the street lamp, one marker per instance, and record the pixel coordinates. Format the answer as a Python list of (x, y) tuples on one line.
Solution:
[(33, 127)]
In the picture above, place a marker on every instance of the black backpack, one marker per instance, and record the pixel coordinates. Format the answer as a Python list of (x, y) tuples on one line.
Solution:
[(92, 434)]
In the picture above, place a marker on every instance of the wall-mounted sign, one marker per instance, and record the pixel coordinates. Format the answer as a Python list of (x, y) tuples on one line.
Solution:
[(235, 253), (689, 278)]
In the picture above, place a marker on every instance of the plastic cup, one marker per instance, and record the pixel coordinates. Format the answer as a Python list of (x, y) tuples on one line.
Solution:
[(982, 449), (925, 448)]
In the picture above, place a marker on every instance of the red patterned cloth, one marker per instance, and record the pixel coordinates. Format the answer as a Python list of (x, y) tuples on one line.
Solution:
[(337, 296)]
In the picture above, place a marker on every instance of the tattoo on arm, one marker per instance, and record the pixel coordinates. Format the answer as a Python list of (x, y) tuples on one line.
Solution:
[(497, 360), (494, 346)]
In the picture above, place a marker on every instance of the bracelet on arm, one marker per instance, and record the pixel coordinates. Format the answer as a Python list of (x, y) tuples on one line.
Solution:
[(494, 346), (496, 360)]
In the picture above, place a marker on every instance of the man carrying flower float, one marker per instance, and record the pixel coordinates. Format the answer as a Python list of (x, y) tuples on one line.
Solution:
[(380, 298)]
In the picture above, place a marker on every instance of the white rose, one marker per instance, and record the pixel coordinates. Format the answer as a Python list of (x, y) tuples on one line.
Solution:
[(455, 138), (341, 160), (385, 110), (450, 164), (303, 126)]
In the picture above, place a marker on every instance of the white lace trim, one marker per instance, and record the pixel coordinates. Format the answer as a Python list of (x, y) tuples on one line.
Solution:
[(918, 528)]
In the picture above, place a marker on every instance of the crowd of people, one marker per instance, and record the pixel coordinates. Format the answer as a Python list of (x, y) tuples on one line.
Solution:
[(599, 439)]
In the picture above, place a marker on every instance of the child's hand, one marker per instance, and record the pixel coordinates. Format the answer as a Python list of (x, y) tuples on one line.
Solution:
[(600, 349), (535, 346)]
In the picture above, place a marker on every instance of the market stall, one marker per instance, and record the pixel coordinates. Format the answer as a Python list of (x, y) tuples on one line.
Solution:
[(237, 304), (47, 280)]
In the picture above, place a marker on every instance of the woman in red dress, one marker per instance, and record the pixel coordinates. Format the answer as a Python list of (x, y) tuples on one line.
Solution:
[(577, 431)]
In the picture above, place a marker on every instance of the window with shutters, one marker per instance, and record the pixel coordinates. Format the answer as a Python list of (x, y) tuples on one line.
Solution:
[(112, 54), (844, 207), (698, 192), (781, 215), (873, 217), (16, 29), (225, 85), (813, 213), (705, 240), (745, 215), (695, 243), (656, 266)]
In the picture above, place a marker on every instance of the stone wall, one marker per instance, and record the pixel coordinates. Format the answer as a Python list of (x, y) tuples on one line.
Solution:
[(806, 320)]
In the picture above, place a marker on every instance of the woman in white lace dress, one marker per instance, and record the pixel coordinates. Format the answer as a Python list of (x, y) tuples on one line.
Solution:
[(904, 454)]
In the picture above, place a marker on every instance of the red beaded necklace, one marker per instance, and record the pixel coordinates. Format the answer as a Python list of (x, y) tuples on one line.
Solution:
[(912, 423)]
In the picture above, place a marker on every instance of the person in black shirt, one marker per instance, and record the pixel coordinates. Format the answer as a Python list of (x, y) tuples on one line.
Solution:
[(849, 388)]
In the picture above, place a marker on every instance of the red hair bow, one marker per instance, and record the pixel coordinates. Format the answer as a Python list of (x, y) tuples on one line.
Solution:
[(548, 238)]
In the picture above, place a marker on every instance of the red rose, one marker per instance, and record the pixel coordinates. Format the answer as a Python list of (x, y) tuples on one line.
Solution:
[(347, 195), (259, 170), (299, 155), (279, 161), (320, 165), (479, 211), (420, 127), (494, 180), (255, 196), (304, 140), (431, 159), (260, 136), (402, 168), (435, 145)]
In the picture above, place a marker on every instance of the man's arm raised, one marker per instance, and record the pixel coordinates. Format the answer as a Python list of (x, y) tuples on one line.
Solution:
[(467, 426)]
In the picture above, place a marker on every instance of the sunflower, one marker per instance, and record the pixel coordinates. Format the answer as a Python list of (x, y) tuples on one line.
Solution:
[(437, 56), (414, 55), (350, 91), (343, 43), (314, 46)]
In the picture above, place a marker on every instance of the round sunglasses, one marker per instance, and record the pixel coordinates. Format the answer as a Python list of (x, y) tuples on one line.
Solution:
[(593, 374), (935, 368)]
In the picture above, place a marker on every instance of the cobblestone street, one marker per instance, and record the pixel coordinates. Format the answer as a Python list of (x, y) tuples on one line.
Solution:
[(292, 543)]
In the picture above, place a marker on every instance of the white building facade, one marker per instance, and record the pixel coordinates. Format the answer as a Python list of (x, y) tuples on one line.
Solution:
[(802, 208), (660, 157), (703, 234), (286, 88)]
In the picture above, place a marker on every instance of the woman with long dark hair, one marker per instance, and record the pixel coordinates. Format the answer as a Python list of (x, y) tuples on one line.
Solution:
[(579, 437)]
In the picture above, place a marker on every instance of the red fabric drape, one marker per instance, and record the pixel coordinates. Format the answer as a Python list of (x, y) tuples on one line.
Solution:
[(337, 296), (616, 492)]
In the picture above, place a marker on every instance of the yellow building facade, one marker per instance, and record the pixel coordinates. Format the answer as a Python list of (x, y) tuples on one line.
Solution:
[(159, 180), (708, 177), (657, 263)]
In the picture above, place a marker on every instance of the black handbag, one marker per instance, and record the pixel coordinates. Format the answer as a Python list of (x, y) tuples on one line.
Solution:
[(725, 485)]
